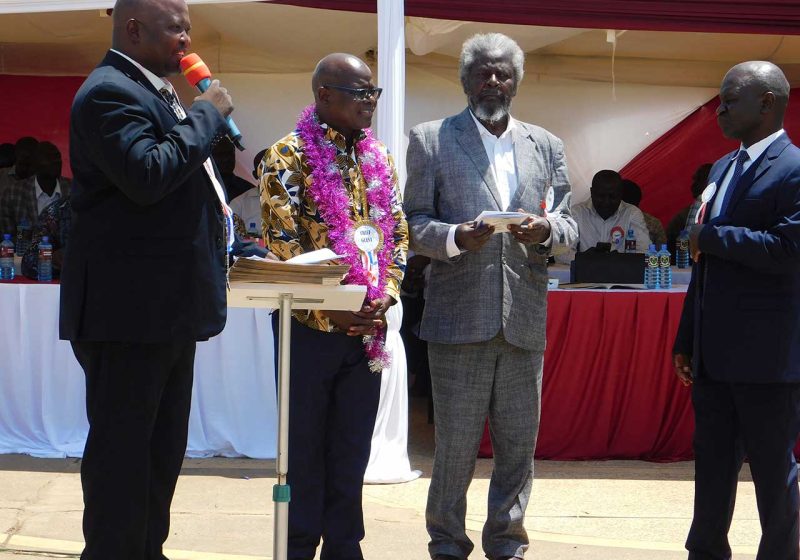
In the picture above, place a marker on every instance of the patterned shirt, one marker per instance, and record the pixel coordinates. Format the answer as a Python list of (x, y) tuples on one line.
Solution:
[(694, 209), (18, 203), (291, 221), (54, 222)]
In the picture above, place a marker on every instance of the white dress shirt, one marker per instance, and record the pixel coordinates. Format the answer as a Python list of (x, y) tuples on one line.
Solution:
[(43, 200), (754, 152), (500, 151), (592, 229), (248, 207)]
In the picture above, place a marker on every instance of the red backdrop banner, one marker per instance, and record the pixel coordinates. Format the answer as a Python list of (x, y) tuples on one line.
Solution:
[(664, 169), (780, 17), (38, 106)]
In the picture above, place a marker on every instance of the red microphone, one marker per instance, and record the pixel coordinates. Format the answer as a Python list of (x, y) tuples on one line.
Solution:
[(199, 76)]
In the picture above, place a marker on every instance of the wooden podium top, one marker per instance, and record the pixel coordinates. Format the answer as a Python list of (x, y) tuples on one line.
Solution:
[(304, 296)]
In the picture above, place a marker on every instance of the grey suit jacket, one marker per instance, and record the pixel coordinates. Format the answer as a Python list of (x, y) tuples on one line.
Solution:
[(470, 298)]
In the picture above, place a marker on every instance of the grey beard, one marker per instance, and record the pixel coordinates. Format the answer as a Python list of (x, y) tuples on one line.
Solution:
[(488, 115)]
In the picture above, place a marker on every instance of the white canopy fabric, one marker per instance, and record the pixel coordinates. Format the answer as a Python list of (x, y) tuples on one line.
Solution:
[(266, 52)]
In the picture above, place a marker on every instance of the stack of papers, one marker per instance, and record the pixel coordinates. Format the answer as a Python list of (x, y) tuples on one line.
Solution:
[(293, 271)]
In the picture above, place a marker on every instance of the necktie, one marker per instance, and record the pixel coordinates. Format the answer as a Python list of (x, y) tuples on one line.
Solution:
[(177, 108), (741, 158)]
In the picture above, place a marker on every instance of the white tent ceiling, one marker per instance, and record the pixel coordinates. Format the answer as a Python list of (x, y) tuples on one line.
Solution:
[(259, 38), (265, 53)]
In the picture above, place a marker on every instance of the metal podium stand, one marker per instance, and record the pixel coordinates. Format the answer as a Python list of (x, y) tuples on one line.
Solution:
[(287, 297)]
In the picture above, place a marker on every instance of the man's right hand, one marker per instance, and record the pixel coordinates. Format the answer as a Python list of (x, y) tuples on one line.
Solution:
[(218, 97), (683, 368), (351, 324), (471, 237)]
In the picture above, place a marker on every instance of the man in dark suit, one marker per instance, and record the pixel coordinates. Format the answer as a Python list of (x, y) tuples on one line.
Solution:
[(738, 344), (144, 272)]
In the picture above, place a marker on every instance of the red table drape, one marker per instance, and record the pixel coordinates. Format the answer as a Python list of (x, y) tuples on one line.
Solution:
[(608, 390), (780, 17)]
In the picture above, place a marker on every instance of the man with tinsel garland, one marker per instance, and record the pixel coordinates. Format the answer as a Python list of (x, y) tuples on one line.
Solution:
[(331, 184)]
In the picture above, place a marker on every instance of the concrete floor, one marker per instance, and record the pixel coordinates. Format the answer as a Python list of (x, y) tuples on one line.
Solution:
[(620, 510)]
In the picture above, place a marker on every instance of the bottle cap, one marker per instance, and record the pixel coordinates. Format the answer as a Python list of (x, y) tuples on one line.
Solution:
[(45, 239), (663, 246), (652, 247), (6, 237)]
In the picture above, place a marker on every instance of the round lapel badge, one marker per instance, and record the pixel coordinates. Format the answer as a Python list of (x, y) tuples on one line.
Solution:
[(550, 199), (367, 237), (709, 192)]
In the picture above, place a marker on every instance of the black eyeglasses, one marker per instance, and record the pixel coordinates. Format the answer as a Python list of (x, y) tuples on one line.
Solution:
[(360, 94)]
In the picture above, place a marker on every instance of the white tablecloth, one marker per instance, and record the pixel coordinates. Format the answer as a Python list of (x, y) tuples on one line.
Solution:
[(388, 457), (42, 395), (234, 411)]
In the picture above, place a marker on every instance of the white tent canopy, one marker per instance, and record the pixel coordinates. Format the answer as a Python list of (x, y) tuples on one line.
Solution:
[(265, 54)]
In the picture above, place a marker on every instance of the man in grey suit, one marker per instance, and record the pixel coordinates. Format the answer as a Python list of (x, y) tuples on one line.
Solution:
[(485, 310)]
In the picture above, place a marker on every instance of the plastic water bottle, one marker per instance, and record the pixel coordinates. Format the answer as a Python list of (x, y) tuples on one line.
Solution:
[(664, 268), (6, 258), (630, 241), (651, 276), (45, 260), (23, 236), (682, 250)]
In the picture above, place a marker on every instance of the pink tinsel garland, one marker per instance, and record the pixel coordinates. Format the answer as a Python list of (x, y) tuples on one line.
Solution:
[(328, 192)]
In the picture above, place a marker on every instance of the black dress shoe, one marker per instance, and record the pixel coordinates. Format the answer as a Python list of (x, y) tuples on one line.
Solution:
[(446, 557)]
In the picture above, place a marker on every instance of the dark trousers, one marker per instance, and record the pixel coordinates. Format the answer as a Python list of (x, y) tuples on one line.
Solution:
[(333, 402), (734, 420), (137, 401)]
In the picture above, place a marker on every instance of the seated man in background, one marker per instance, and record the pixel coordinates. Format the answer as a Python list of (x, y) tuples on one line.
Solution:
[(21, 165), (25, 200), (605, 218), (632, 194), (247, 205), (686, 217), (53, 222)]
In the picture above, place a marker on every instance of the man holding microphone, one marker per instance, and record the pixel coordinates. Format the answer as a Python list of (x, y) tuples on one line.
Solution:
[(144, 273)]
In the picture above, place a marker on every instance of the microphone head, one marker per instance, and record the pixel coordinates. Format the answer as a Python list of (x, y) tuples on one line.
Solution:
[(194, 68)]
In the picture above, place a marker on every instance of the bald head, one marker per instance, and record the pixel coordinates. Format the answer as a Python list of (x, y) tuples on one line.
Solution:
[(155, 33), (763, 75), (753, 100), (338, 69), (344, 94)]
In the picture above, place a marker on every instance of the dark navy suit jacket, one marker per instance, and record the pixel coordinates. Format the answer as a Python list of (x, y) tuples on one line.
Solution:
[(146, 259), (741, 316)]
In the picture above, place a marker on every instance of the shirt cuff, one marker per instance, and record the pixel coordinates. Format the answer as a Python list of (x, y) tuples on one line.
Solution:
[(452, 248)]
